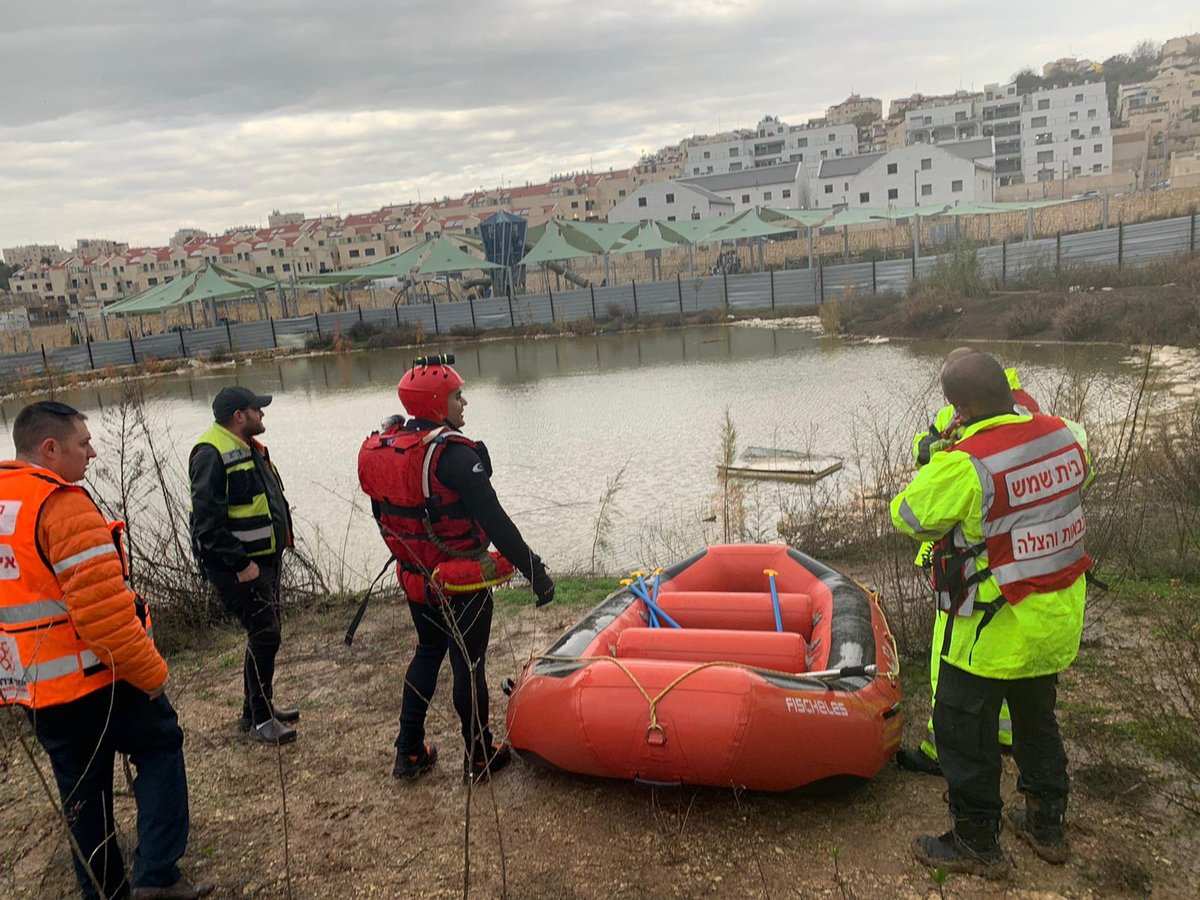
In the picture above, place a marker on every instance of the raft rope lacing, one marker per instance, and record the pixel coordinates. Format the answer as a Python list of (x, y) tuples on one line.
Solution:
[(656, 729)]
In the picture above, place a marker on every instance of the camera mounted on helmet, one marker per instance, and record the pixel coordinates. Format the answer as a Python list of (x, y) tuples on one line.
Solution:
[(425, 387)]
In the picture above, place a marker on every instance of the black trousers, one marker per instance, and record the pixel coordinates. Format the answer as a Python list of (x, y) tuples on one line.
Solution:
[(440, 629), (256, 605), (964, 717), (82, 738)]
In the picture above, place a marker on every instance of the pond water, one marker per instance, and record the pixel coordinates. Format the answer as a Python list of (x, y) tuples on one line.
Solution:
[(638, 417)]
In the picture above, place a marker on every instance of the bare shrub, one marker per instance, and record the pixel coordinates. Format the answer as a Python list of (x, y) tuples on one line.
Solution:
[(1028, 317), (922, 311), (1083, 317)]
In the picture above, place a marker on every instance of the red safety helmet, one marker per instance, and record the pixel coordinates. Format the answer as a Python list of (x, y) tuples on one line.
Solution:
[(424, 390)]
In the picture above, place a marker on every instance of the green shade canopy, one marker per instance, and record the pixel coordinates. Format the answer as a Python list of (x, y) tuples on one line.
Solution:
[(692, 231), (750, 225), (398, 265), (212, 282), (646, 239), (988, 207), (604, 235), (865, 215), (806, 217), (444, 258), (553, 244)]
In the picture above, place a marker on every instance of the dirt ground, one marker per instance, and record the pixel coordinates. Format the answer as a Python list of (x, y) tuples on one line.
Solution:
[(351, 831)]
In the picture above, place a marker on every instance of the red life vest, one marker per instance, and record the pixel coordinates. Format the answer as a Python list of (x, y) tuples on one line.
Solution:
[(1032, 474), (397, 469), (1024, 402)]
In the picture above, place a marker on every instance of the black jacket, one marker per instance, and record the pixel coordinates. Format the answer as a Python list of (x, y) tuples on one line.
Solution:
[(212, 540)]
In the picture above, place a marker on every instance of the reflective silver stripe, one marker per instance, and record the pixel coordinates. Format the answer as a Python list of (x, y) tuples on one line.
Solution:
[(27, 613), (235, 456), (88, 658), (52, 668), (1059, 439), (254, 534), (985, 483), (84, 555), (910, 519), (1032, 568), (1034, 515), (426, 465)]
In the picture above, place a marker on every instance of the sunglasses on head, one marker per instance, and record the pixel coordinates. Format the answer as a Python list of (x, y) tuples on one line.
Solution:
[(54, 408)]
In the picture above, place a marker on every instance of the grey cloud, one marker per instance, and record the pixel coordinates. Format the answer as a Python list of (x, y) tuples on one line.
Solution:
[(130, 118)]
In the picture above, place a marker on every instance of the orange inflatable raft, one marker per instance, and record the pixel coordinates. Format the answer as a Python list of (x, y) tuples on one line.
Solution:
[(764, 686)]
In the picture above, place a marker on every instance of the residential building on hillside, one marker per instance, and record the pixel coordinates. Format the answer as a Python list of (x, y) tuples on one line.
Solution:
[(783, 186), (899, 107), (1180, 52), (1168, 104), (1071, 67), (670, 201), (772, 143), (1049, 134), (33, 254), (852, 107), (916, 175), (1185, 169)]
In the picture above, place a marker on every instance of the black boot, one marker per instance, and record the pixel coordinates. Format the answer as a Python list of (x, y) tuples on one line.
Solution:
[(1042, 825), (970, 848), (412, 765), (485, 762), (917, 761)]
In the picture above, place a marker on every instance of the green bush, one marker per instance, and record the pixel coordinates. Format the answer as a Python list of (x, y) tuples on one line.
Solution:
[(957, 274)]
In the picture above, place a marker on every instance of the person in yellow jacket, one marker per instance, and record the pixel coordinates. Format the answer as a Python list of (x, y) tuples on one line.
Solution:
[(940, 436), (75, 653), (1009, 566)]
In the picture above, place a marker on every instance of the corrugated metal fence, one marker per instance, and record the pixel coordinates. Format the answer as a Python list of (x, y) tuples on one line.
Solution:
[(803, 289)]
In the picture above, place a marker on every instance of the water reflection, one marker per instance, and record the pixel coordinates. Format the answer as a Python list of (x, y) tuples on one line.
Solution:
[(564, 416)]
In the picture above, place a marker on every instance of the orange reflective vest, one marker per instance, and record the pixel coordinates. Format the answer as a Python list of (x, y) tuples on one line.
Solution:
[(43, 661)]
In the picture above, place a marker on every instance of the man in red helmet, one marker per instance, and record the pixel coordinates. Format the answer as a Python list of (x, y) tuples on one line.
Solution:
[(431, 493)]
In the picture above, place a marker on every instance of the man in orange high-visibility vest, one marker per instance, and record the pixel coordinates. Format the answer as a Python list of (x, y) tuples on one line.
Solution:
[(75, 653)]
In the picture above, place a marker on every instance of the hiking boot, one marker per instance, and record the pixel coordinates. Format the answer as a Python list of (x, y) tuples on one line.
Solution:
[(272, 731), (411, 766), (286, 715), (180, 890), (1042, 825), (917, 761), (479, 768), (970, 848)]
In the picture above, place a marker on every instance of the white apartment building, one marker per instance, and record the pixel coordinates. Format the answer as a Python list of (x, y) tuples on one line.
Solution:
[(783, 186), (772, 143), (670, 201), (1066, 133), (916, 175), (1045, 135)]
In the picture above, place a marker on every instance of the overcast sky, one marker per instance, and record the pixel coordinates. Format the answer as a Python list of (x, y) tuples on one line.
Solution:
[(129, 119)]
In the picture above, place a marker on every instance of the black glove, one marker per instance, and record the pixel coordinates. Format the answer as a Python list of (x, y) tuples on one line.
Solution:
[(543, 588)]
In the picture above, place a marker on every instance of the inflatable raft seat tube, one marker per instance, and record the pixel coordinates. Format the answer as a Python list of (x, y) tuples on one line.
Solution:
[(771, 573)]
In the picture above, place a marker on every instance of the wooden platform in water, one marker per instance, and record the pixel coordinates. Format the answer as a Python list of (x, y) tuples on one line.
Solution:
[(775, 464)]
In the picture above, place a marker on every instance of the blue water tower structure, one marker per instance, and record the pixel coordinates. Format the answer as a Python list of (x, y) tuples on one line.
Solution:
[(503, 236)]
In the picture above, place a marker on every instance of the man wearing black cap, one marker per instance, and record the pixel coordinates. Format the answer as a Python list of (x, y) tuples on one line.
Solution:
[(240, 527)]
